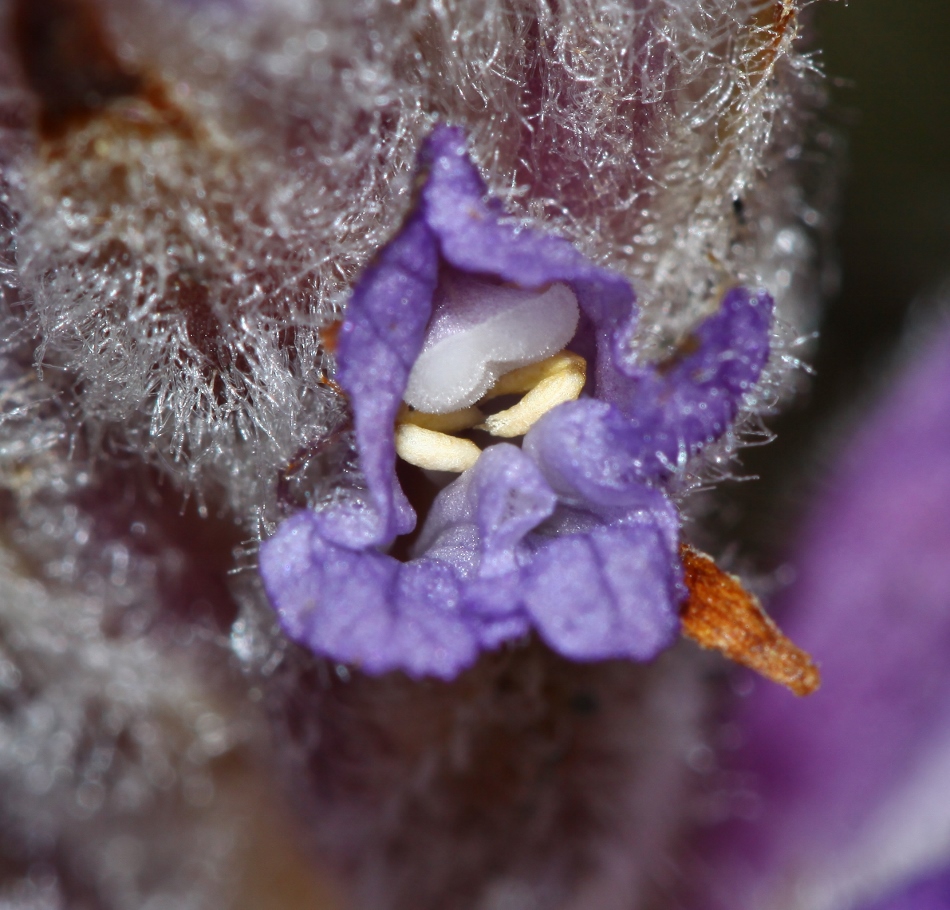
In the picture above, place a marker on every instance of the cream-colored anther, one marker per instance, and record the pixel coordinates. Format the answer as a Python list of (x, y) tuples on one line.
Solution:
[(433, 450), (548, 383), (453, 422)]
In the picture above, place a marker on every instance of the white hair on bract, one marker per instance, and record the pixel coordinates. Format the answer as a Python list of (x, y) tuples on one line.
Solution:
[(181, 269), (179, 237)]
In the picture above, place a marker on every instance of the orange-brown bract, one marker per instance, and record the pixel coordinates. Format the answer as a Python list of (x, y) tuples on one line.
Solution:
[(719, 613)]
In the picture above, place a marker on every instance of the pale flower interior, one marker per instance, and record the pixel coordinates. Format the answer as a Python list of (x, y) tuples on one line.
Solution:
[(487, 340), (479, 332)]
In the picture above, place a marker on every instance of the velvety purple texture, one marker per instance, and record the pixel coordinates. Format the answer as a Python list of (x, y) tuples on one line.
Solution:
[(488, 569), (872, 602), (571, 536), (379, 341), (673, 413)]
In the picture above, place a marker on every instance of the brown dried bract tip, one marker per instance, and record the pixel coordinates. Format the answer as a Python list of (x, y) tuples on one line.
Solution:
[(719, 613)]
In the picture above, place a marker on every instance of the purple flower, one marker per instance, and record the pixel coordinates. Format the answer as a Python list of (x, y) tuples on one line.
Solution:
[(572, 534), (847, 793)]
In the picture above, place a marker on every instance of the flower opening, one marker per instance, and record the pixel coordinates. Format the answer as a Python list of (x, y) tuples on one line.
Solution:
[(571, 535)]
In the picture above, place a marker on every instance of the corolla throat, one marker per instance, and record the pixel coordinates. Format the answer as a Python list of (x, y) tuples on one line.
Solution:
[(479, 332)]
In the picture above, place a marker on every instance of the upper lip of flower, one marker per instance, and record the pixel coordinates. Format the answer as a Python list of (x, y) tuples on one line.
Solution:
[(482, 330), (583, 544)]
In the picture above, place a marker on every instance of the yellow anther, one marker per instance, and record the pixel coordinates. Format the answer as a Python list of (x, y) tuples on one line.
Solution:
[(433, 450), (423, 439), (524, 379), (548, 383), (453, 422)]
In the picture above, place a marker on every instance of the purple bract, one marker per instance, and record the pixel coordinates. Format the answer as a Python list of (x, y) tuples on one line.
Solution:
[(571, 535), (850, 787), (930, 893)]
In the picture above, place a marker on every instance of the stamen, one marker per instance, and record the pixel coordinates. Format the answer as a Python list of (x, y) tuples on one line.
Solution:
[(423, 439), (549, 383), (434, 451), (453, 422)]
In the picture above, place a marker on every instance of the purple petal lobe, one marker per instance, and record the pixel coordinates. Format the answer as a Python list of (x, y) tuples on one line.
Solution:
[(674, 412), (380, 339), (476, 237), (365, 608), (510, 498), (495, 503), (585, 451), (480, 525), (608, 593)]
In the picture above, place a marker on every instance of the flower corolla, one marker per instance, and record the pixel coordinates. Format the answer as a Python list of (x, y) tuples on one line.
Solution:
[(572, 535)]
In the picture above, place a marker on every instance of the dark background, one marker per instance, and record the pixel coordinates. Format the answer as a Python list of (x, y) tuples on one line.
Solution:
[(887, 66)]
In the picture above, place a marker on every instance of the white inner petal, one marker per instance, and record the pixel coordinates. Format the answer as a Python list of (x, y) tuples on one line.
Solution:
[(481, 331)]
